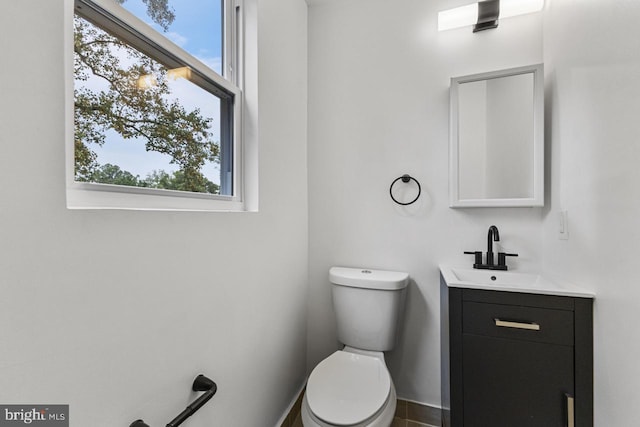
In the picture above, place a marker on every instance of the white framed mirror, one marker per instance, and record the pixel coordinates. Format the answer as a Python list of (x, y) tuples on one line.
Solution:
[(496, 139)]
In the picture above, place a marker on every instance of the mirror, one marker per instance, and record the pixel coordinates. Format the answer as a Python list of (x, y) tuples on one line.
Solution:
[(496, 145)]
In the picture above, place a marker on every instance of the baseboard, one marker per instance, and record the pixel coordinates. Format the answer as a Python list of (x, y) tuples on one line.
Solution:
[(293, 410)]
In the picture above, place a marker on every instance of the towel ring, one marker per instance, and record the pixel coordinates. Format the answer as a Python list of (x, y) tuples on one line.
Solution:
[(405, 178)]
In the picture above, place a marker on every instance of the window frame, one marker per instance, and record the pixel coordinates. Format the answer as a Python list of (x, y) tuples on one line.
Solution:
[(115, 19)]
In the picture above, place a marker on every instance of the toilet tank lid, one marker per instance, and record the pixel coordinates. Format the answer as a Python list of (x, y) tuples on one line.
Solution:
[(369, 279)]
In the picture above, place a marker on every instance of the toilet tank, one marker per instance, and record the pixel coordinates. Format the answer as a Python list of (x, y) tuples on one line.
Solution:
[(367, 305)]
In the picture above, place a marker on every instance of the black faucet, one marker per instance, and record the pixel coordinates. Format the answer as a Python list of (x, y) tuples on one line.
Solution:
[(492, 236)]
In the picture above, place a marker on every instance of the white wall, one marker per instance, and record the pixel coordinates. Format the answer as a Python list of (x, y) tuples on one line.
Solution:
[(378, 108), (115, 312), (592, 65)]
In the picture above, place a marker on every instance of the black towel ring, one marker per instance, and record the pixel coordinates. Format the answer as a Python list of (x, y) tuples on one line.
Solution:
[(405, 178)]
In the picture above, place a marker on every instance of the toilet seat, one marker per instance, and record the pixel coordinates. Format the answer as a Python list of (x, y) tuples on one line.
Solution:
[(347, 388)]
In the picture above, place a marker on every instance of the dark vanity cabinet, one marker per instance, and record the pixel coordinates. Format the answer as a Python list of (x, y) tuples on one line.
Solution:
[(514, 359)]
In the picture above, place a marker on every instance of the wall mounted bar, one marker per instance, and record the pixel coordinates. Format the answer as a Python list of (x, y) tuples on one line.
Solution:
[(201, 383)]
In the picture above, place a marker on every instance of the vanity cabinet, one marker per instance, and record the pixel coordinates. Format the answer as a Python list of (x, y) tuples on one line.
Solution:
[(512, 359)]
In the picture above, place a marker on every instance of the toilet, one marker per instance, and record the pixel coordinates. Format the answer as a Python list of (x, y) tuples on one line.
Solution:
[(352, 387)]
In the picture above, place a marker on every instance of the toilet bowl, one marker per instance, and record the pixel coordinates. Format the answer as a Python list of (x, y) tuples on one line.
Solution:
[(352, 387)]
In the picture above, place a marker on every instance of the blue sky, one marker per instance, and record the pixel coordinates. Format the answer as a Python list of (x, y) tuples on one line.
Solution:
[(197, 29)]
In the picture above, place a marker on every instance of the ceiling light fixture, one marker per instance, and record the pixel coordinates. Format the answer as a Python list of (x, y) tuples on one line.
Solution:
[(484, 15)]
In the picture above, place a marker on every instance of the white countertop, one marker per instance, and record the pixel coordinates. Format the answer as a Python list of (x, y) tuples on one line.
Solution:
[(510, 281)]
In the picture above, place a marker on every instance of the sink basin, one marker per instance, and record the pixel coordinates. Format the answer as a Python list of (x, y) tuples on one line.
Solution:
[(493, 277), (510, 281)]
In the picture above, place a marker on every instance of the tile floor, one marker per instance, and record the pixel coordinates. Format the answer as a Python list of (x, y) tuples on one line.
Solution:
[(408, 414), (297, 422), (397, 422)]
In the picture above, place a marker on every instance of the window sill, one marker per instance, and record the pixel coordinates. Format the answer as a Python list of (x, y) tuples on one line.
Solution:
[(104, 196)]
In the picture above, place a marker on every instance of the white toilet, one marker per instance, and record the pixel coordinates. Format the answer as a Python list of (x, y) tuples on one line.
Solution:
[(352, 387)]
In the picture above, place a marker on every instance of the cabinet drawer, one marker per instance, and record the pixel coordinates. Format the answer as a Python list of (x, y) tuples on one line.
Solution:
[(518, 322)]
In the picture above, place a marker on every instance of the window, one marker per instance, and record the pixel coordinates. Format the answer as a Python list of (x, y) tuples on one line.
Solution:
[(157, 105)]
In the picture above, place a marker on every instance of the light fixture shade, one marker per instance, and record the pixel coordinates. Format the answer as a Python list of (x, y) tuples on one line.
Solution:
[(459, 17), (468, 15)]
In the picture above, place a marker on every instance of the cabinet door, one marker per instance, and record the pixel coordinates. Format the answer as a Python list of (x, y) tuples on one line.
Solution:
[(515, 383)]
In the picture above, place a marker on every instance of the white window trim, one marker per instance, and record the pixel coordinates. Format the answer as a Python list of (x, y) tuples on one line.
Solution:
[(81, 195)]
